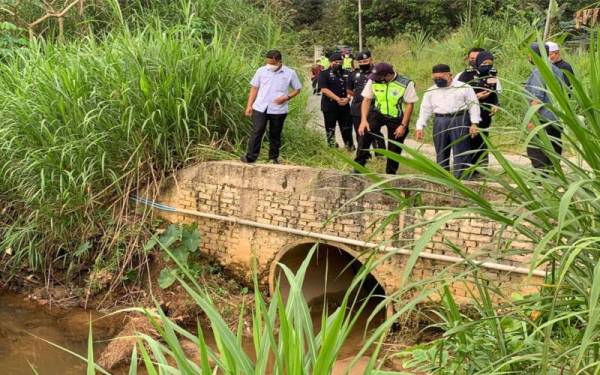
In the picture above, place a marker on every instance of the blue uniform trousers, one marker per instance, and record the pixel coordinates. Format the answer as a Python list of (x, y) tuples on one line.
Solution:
[(451, 135)]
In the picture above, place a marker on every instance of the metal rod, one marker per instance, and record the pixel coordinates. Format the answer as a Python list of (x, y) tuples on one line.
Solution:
[(347, 241)]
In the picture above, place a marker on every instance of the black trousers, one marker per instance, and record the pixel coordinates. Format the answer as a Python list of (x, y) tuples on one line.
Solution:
[(451, 135), (341, 116), (378, 142), (479, 148), (260, 120), (538, 156), (376, 122)]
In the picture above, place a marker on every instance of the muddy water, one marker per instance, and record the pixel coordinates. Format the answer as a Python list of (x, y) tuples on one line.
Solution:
[(24, 325)]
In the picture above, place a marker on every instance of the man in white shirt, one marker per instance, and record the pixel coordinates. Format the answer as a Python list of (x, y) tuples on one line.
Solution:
[(271, 88), (388, 100), (454, 106)]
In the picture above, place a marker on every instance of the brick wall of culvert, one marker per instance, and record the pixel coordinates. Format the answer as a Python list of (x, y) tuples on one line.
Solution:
[(275, 208)]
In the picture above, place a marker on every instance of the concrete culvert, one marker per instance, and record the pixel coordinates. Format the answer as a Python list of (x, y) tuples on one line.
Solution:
[(328, 278)]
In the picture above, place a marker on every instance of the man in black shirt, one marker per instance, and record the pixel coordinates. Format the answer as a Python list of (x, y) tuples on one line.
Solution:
[(335, 102), (356, 84), (485, 83), (554, 55)]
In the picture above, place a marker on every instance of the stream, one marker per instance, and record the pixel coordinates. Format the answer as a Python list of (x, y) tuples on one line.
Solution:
[(24, 325), (27, 328)]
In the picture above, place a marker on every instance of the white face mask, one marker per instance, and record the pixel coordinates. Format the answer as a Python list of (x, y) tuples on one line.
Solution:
[(272, 67)]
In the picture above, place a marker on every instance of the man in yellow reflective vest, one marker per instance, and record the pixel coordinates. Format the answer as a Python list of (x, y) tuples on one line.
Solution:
[(388, 100), (325, 61), (348, 63)]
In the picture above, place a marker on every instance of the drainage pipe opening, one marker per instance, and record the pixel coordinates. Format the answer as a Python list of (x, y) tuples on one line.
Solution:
[(328, 278)]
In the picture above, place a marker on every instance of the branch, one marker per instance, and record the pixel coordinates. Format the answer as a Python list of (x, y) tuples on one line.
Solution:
[(55, 15)]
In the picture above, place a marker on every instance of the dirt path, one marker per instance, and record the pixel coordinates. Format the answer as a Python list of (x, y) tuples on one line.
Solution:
[(425, 148)]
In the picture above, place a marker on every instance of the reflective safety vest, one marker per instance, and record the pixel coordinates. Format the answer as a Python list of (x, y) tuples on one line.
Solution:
[(347, 64), (324, 62), (388, 97)]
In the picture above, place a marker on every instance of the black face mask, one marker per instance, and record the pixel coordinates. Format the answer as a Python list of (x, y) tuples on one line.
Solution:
[(440, 82), (484, 69), (337, 68), (365, 67)]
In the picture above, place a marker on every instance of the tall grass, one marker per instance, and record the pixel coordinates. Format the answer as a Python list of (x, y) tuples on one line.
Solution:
[(281, 337), (414, 56), (85, 123), (556, 331)]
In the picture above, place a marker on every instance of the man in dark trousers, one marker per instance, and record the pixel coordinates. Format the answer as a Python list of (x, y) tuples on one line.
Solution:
[(272, 87), (335, 102), (455, 108), (483, 78), (356, 84), (557, 60), (539, 97), (388, 100)]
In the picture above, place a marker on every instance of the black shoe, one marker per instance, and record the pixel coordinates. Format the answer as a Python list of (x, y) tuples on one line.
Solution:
[(274, 161), (245, 159), (350, 148), (334, 145)]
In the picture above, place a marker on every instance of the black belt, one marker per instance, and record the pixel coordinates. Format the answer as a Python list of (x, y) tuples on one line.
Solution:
[(454, 114)]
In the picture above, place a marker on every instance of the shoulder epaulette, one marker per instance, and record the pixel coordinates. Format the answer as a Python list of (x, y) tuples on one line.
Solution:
[(404, 81)]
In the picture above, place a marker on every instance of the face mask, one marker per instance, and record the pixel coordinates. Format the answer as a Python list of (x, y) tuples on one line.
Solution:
[(272, 67), (365, 67), (484, 69), (336, 68), (440, 82)]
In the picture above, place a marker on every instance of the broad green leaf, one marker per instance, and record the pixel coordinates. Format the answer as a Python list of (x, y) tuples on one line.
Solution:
[(167, 277)]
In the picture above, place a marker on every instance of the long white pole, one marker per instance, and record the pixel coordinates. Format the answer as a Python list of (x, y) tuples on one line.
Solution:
[(347, 241), (360, 37)]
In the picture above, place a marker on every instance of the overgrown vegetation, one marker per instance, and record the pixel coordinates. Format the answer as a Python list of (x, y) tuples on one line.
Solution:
[(85, 123), (555, 331), (283, 336)]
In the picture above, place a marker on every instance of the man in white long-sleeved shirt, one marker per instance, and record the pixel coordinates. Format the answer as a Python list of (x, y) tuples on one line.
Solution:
[(456, 112)]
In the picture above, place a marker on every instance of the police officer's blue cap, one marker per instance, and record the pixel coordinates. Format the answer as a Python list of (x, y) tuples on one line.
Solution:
[(336, 56), (535, 47), (363, 55)]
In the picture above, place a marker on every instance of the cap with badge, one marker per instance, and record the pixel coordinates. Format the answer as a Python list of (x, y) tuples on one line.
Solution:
[(363, 55), (336, 56)]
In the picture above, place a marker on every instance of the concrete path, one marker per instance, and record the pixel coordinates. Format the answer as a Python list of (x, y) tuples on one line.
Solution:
[(426, 148)]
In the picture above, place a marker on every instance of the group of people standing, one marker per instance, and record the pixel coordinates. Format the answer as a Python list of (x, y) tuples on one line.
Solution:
[(374, 96), (369, 97)]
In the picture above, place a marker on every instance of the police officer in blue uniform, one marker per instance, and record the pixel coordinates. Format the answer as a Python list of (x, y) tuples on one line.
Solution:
[(335, 101), (356, 84)]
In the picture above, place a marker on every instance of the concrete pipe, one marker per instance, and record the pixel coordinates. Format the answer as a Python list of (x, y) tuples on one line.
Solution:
[(328, 278)]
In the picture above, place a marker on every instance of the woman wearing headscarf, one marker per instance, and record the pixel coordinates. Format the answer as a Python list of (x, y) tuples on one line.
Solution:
[(483, 79)]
